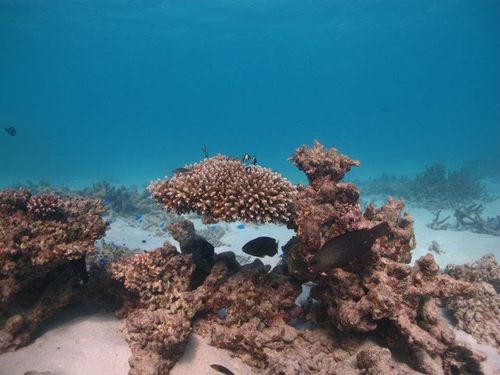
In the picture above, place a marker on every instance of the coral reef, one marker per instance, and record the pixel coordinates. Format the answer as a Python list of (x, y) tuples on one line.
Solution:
[(225, 189), (251, 310), (467, 218), (246, 309), (43, 241), (478, 314), (202, 251), (434, 188), (158, 305), (122, 200)]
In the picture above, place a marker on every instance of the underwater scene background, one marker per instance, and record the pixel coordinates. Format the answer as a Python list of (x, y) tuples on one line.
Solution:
[(126, 91), (303, 187)]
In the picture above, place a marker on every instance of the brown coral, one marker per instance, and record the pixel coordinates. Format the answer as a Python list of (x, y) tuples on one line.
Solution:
[(224, 189), (317, 162), (478, 314), (37, 254), (246, 309), (46, 207)]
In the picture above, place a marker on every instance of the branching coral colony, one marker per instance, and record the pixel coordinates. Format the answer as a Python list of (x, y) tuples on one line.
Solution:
[(251, 310)]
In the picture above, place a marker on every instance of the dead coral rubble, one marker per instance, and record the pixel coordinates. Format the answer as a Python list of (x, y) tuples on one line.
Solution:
[(158, 305), (379, 293), (42, 239), (478, 314), (468, 218), (243, 309)]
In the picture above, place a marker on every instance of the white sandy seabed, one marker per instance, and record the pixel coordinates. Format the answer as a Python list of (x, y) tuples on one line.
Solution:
[(83, 342)]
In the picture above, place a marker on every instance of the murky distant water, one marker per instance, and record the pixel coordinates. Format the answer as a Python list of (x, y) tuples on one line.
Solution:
[(128, 90)]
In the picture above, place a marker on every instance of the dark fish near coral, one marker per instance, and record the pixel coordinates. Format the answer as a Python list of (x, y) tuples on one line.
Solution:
[(180, 170), (254, 160), (341, 250), (11, 131), (261, 246), (222, 369), (245, 157), (79, 266)]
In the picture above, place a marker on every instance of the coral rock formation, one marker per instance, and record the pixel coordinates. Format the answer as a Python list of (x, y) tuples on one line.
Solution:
[(379, 293), (157, 309), (224, 189), (42, 239), (479, 314)]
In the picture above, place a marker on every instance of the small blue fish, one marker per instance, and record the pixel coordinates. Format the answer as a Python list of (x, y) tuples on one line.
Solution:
[(222, 313), (212, 227), (138, 217), (240, 226), (105, 202), (162, 224)]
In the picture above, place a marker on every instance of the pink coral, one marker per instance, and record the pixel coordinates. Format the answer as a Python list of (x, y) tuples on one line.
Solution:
[(223, 189)]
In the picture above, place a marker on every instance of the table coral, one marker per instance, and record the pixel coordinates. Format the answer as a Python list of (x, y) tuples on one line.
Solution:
[(42, 238), (225, 189)]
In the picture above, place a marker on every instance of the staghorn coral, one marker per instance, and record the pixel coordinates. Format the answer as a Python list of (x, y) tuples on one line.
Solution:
[(479, 314), (434, 188), (224, 189), (43, 240)]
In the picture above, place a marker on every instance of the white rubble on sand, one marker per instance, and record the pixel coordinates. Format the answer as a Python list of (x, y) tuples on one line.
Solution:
[(460, 246)]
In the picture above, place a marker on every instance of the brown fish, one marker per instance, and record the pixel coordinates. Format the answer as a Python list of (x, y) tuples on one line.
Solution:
[(341, 250), (222, 369), (261, 246)]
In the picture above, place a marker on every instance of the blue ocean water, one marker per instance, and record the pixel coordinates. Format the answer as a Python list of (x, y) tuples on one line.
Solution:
[(128, 90)]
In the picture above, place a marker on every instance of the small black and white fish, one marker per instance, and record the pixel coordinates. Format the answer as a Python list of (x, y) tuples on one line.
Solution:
[(343, 249), (245, 157), (180, 170), (254, 160), (11, 131), (261, 246), (222, 369)]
